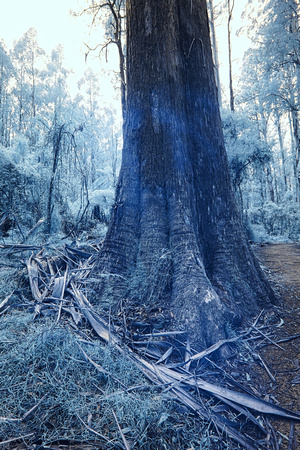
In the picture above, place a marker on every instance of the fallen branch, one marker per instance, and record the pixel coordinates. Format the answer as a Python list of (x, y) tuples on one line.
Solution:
[(18, 438), (33, 229), (5, 301), (91, 429), (20, 247), (126, 445)]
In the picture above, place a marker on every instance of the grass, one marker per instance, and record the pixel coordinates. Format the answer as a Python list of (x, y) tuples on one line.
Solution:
[(41, 360), (52, 397), (41, 364)]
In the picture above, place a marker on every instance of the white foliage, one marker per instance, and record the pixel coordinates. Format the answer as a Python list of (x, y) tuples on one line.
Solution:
[(102, 197)]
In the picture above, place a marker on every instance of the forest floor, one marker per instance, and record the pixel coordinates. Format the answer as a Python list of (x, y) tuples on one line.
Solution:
[(274, 375), (281, 263)]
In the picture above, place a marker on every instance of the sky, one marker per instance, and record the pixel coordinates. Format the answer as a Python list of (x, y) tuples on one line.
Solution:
[(55, 25), (239, 44)]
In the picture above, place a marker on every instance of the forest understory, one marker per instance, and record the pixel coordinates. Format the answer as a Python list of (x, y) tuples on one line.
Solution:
[(63, 387), (86, 367)]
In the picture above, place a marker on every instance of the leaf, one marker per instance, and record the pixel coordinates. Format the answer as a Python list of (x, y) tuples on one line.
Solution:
[(33, 274), (196, 406), (5, 301), (77, 252), (97, 323), (165, 355), (187, 355), (59, 287), (241, 399), (75, 314), (163, 418)]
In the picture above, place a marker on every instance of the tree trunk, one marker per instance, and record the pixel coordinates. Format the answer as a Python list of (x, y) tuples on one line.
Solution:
[(295, 123), (282, 150), (175, 234), (215, 49), (56, 145), (116, 11), (231, 93)]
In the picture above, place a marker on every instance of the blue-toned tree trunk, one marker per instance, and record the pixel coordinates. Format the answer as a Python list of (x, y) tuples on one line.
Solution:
[(175, 233)]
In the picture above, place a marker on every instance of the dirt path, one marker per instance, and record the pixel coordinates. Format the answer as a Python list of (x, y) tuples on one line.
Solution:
[(283, 260), (282, 265)]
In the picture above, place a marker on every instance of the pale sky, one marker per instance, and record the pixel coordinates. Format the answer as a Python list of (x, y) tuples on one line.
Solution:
[(52, 21), (238, 47), (54, 26)]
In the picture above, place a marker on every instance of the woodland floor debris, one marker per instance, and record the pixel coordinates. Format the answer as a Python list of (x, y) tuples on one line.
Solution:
[(122, 394), (282, 265)]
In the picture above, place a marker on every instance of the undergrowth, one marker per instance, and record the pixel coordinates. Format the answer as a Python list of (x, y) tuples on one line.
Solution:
[(51, 396), (42, 365)]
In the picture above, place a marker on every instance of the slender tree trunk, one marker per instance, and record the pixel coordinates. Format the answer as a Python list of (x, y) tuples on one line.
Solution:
[(231, 92), (2, 90), (270, 183), (215, 49), (175, 241), (57, 137), (33, 99), (295, 124), (21, 101), (116, 11), (123, 79), (282, 151), (295, 135)]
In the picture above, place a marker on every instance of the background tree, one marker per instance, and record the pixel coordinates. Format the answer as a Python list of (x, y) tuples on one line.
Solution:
[(268, 94), (6, 75), (211, 9), (113, 15), (63, 150), (175, 232), (230, 6), (28, 56)]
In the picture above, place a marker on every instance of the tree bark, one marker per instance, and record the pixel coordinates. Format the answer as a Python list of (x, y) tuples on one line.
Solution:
[(231, 93), (116, 11), (295, 123), (282, 150), (215, 49), (56, 145), (175, 234)]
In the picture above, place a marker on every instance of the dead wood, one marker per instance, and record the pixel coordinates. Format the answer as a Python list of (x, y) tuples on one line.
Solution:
[(20, 247), (58, 285), (18, 438), (26, 415), (33, 229), (126, 445), (287, 339)]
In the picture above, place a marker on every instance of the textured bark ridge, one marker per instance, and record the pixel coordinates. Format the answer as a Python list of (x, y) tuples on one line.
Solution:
[(175, 232)]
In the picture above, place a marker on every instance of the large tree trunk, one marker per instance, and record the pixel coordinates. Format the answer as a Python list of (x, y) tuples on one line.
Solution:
[(175, 232)]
